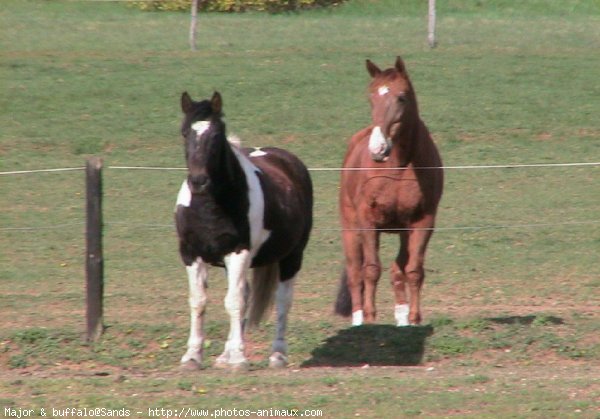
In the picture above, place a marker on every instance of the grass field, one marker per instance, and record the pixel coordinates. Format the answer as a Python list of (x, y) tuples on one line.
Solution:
[(512, 314)]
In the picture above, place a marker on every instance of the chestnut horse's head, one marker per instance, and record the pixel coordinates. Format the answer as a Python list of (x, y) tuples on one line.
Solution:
[(393, 106)]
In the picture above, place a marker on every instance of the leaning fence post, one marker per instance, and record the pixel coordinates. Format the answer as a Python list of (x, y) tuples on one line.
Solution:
[(94, 262), (194, 24), (431, 25)]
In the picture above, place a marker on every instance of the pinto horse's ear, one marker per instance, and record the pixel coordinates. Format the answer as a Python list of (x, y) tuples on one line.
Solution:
[(400, 65), (216, 103), (373, 70), (186, 102)]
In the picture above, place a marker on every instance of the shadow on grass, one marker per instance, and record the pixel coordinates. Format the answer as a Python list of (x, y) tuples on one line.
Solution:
[(373, 345)]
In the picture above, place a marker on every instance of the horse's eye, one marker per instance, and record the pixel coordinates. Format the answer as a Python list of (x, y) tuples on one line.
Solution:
[(402, 99)]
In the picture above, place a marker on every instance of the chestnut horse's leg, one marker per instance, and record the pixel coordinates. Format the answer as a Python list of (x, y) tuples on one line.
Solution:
[(414, 270), (354, 261), (399, 279), (371, 272)]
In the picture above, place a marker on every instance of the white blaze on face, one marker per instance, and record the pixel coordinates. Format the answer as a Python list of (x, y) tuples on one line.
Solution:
[(200, 127), (377, 142), (383, 90)]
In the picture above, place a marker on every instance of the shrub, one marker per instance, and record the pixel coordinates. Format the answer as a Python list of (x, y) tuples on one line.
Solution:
[(273, 6)]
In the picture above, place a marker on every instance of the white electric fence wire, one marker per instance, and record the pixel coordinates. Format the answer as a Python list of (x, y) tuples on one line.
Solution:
[(328, 169)]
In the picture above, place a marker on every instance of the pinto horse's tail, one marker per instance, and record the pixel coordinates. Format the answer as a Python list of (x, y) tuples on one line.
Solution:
[(343, 303), (262, 291)]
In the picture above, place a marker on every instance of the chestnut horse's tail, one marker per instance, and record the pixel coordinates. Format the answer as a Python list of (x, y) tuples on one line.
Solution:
[(262, 291), (343, 303)]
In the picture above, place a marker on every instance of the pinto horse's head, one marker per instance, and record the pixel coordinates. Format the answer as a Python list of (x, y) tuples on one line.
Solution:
[(204, 135), (393, 105)]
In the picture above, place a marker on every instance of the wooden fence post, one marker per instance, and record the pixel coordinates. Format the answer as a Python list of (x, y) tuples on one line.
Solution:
[(194, 24), (94, 262), (431, 25)]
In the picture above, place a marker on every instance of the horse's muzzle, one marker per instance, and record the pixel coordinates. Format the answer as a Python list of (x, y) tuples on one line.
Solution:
[(382, 155), (198, 183), (379, 145)]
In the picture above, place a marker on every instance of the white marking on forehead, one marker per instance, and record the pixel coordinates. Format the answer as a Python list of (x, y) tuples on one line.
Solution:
[(200, 127), (257, 152), (184, 197), (383, 90)]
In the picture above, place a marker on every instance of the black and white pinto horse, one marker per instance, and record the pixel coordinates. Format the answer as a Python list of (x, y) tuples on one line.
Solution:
[(239, 209)]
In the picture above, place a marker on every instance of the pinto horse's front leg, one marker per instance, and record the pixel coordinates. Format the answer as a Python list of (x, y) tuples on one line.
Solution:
[(237, 265), (197, 278)]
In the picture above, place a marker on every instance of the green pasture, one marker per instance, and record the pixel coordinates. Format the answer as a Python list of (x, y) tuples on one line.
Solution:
[(512, 294)]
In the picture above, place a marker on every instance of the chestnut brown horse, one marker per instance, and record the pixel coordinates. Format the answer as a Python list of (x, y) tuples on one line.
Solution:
[(396, 188)]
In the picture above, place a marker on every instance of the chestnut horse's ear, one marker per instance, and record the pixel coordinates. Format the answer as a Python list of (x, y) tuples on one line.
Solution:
[(216, 103), (400, 65), (373, 70), (186, 102)]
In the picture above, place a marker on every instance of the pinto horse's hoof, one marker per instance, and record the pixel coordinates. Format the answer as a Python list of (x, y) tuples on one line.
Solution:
[(278, 360), (233, 366), (239, 366), (232, 361), (222, 362), (190, 365)]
